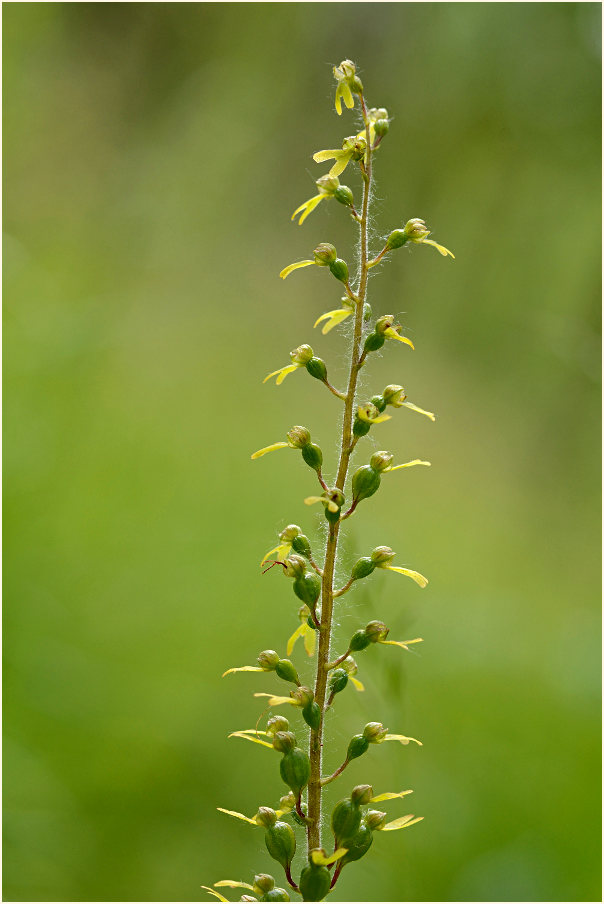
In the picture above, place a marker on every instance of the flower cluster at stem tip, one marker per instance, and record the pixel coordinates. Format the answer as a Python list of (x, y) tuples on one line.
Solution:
[(316, 585)]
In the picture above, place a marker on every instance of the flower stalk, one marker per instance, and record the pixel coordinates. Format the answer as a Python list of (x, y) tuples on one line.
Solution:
[(353, 826)]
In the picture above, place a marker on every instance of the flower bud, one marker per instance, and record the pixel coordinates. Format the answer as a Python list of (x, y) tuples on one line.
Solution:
[(339, 268), (359, 641), (307, 588), (394, 395), (317, 369), (311, 453), (344, 195), (365, 482), (381, 127), (263, 883), (358, 845), (266, 817), (312, 714), (314, 882), (374, 732), (301, 355), (361, 795), (298, 437), (384, 323), (381, 555), (284, 741), (362, 569), (281, 843), (338, 680), (275, 724), (295, 769), (373, 342), (345, 71), (289, 533), (379, 461), (416, 230), (379, 402), (396, 239), (345, 820), (324, 254), (374, 819), (376, 113), (287, 671), (328, 184), (302, 695), (357, 747), (288, 801), (294, 567), (376, 631), (276, 894), (301, 545), (350, 667), (267, 660)]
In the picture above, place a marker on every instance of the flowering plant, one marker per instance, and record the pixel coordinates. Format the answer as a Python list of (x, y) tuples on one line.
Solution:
[(354, 821)]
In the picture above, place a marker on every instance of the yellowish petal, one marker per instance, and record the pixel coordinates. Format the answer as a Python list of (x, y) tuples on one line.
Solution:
[(419, 410), (247, 737), (389, 795), (347, 95), (403, 822), (444, 251), (322, 156), (282, 373), (282, 551), (401, 643), (311, 500), (266, 449), (237, 816), (381, 419), (338, 98), (299, 632), (340, 165), (211, 891), (310, 640), (320, 860), (287, 270), (414, 575), (277, 701), (229, 883), (408, 464), (402, 738), (333, 318), (392, 334), (308, 207), (358, 684), (243, 668)]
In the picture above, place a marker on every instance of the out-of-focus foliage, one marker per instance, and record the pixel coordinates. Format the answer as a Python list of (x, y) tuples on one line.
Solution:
[(153, 156)]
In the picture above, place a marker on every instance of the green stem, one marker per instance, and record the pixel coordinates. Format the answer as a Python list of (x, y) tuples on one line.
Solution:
[(346, 447)]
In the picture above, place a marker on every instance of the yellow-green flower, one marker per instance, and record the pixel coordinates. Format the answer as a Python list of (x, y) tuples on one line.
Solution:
[(419, 579), (353, 148), (297, 437), (329, 187), (287, 536), (324, 255), (333, 318), (300, 357), (371, 415), (303, 630), (416, 231), (347, 84)]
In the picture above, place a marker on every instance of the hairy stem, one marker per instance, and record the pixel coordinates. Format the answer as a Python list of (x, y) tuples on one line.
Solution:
[(346, 448)]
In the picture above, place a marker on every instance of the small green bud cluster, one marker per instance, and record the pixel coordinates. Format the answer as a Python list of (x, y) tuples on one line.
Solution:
[(269, 661), (374, 632), (299, 438), (326, 255)]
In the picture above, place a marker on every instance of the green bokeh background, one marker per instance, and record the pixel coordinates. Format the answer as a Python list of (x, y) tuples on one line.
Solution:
[(153, 156)]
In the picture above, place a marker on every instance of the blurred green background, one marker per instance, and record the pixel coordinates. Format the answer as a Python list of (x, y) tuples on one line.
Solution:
[(153, 156)]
